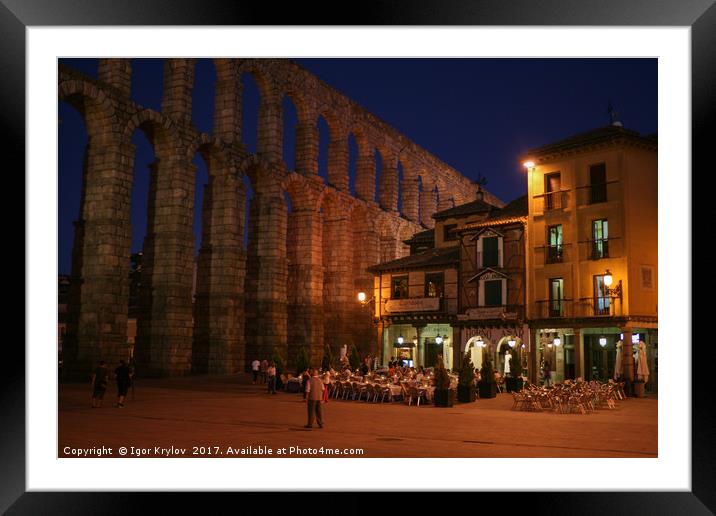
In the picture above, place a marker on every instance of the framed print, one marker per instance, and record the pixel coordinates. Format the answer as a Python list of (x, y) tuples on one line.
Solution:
[(220, 192)]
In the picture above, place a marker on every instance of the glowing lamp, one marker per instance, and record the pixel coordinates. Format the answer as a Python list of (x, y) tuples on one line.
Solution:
[(602, 341), (361, 297)]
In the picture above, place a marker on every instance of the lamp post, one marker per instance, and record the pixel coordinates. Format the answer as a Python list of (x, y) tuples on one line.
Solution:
[(366, 302)]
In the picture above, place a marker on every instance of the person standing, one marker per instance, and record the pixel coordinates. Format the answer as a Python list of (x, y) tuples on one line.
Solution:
[(123, 381), (271, 372), (100, 378), (326, 384), (314, 391), (255, 366), (305, 378), (547, 374), (264, 370)]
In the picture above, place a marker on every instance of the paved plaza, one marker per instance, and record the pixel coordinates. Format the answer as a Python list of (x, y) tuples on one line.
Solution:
[(227, 416)]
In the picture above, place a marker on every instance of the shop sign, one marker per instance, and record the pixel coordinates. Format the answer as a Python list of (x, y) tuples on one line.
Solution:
[(415, 304), (490, 312)]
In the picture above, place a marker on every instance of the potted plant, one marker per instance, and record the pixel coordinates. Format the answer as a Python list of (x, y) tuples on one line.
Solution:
[(276, 358), (354, 358), (466, 383), (487, 385), (514, 382), (327, 361), (444, 396), (303, 362)]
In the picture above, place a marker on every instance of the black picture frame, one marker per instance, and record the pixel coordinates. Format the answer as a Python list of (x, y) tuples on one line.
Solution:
[(17, 15)]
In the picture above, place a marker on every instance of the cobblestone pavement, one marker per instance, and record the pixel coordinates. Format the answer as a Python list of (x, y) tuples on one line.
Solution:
[(229, 417)]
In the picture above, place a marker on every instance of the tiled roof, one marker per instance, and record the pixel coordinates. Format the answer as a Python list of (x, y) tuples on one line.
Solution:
[(427, 236), (514, 211), (430, 258), (600, 135), (470, 208)]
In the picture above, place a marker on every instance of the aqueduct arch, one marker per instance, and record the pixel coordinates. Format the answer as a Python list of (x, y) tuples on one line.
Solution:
[(293, 284)]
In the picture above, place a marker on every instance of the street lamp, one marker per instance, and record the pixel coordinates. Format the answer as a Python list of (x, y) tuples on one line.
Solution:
[(602, 341), (400, 340), (438, 340), (557, 341), (529, 164), (612, 292), (511, 342)]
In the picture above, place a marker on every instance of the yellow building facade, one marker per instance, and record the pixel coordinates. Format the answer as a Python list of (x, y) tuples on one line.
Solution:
[(593, 217)]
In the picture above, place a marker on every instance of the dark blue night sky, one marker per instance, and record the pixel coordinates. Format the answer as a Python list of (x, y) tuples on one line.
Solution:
[(477, 115)]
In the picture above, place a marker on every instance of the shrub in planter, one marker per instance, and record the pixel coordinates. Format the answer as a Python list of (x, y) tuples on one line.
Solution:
[(303, 362), (514, 382), (327, 361), (466, 383), (278, 360), (443, 396), (354, 358), (487, 385)]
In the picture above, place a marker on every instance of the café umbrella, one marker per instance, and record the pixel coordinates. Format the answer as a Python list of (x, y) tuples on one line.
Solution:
[(618, 361), (642, 368)]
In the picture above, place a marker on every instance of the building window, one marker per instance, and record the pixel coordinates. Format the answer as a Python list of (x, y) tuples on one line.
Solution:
[(493, 292), (490, 252), (600, 236), (552, 191), (448, 233), (434, 284), (602, 302), (555, 245), (597, 183), (556, 297), (400, 287)]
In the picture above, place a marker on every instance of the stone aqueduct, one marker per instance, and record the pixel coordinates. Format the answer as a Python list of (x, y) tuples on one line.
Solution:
[(295, 283)]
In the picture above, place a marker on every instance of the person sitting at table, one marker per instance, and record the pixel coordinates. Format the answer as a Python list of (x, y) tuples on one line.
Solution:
[(419, 375)]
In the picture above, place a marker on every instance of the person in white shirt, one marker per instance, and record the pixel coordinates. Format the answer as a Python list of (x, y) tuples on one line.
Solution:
[(314, 395), (255, 366)]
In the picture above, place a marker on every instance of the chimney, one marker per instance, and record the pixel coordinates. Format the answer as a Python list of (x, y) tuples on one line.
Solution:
[(479, 195)]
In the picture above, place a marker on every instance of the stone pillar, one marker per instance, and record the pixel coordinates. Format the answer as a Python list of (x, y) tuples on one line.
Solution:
[(410, 196), (365, 175), (305, 286), (165, 326), (218, 337), (307, 148), (266, 274), (389, 184), (269, 143), (578, 352), (227, 101), (534, 350), (366, 252), (338, 163), (117, 73), (99, 297), (338, 280), (178, 84), (428, 204)]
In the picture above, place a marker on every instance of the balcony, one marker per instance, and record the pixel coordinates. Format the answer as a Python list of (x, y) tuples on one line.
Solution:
[(552, 201), (553, 308), (599, 307), (555, 253), (598, 193), (600, 249)]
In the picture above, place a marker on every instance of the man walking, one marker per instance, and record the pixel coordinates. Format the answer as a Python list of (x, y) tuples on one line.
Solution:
[(123, 381), (99, 384), (271, 371), (314, 392)]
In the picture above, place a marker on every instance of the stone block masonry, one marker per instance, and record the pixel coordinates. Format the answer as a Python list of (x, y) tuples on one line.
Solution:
[(296, 282)]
